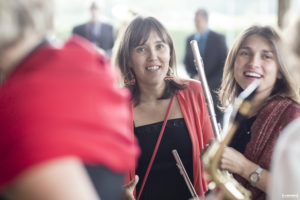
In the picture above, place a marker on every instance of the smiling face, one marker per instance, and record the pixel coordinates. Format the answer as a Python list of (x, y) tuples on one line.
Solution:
[(256, 60), (150, 61)]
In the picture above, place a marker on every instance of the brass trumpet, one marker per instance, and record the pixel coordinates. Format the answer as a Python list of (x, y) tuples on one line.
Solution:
[(210, 159)]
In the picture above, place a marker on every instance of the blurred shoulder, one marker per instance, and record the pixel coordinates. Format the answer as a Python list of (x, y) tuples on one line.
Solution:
[(77, 45), (106, 25), (76, 41), (216, 35)]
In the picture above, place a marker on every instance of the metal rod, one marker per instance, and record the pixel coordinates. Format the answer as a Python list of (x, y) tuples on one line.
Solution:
[(209, 102), (185, 175)]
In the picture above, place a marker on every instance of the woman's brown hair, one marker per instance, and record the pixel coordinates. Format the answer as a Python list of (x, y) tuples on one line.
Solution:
[(229, 87), (137, 33)]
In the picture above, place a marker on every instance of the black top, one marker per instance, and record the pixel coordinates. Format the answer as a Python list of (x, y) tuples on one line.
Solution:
[(164, 180), (243, 135)]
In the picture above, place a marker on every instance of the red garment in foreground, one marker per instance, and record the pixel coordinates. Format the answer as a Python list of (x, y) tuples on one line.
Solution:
[(64, 102)]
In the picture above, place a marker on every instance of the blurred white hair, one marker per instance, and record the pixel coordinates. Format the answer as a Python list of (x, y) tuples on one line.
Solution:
[(19, 18)]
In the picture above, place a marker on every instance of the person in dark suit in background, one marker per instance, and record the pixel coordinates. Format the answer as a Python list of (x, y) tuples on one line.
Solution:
[(96, 31), (213, 50)]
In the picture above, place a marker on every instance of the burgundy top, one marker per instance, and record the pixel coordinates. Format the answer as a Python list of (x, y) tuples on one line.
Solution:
[(270, 121)]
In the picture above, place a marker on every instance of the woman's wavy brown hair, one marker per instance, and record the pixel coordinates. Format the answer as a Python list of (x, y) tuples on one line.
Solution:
[(286, 86)]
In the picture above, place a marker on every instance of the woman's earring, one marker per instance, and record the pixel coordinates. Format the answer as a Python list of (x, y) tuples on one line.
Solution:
[(170, 75), (129, 79)]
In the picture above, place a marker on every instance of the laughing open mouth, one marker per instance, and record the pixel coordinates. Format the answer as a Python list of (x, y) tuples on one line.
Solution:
[(152, 68), (252, 75)]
